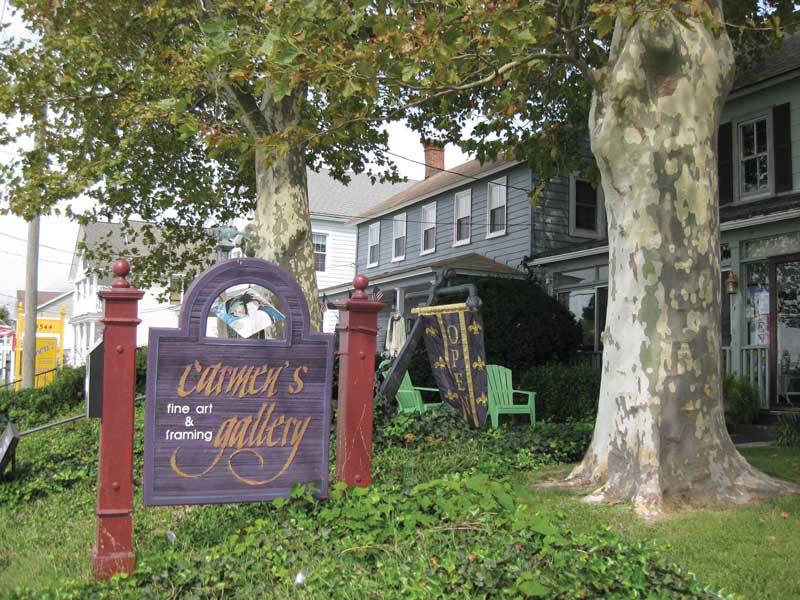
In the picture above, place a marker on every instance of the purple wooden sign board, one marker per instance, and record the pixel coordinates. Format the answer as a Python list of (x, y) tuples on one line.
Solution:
[(236, 420)]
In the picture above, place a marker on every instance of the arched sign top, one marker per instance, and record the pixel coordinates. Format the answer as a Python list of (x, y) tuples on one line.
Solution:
[(237, 420), (202, 293)]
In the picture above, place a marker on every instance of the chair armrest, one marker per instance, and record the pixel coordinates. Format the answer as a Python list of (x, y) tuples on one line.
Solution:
[(426, 389), (530, 395)]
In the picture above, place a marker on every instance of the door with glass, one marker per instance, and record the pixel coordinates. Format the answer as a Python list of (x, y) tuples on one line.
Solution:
[(785, 328)]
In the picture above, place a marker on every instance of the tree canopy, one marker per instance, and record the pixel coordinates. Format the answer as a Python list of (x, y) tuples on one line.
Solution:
[(154, 108)]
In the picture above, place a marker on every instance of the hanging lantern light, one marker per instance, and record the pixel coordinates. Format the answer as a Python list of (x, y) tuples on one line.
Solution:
[(731, 284)]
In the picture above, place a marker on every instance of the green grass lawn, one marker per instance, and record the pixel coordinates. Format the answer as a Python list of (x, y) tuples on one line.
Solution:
[(47, 515), (749, 551)]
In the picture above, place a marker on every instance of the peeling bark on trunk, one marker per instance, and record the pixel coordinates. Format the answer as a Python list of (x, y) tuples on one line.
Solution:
[(660, 439), (282, 219)]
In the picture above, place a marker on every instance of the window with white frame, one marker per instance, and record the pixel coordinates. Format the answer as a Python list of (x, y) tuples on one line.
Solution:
[(428, 243), (399, 236), (585, 209), (754, 157), (462, 217), (497, 208), (320, 250), (373, 244)]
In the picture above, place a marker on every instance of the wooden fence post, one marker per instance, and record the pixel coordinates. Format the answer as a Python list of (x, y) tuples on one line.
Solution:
[(358, 328), (113, 550)]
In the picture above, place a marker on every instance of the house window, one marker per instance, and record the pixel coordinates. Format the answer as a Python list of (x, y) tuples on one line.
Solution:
[(753, 157), (462, 217), (399, 237), (373, 244), (320, 250), (588, 306), (497, 208), (585, 209), (428, 228)]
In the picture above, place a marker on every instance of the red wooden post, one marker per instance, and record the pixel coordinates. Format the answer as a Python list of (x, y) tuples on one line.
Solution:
[(113, 550), (358, 327)]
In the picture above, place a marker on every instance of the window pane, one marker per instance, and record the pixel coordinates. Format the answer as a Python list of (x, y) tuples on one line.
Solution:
[(462, 229), (575, 277), (400, 246), (585, 217), (763, 173), (761, 136), (757, 310), (373, 254), (750, 176), (602, 307), (581, 304), (497, 219), (748, 139), (725, 321), (319, 261), (428, 238)]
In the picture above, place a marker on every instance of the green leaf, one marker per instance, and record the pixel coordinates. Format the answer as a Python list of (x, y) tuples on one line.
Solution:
[(534, 588)]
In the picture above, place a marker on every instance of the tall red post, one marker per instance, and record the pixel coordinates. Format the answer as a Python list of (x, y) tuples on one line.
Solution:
[(113, 550), (358, 328)]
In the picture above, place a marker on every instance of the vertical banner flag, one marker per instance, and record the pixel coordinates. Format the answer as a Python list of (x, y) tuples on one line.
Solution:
[(454, 340)]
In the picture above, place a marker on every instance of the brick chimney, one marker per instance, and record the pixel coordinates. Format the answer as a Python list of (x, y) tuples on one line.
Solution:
[(434, 157)]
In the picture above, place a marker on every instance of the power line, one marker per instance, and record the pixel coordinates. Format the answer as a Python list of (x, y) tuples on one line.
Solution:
[(13, 237), (58, 262)]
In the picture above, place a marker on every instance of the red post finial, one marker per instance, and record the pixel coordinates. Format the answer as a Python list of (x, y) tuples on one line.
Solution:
[(120, 268), (360, 282)]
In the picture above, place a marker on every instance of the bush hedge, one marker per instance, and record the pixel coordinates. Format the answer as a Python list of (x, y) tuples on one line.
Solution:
[(564, 393), (788, 433), (740, 400), (36, 406)]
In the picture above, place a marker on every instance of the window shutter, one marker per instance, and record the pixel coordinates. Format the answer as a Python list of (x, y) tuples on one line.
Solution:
[(782, 148), (725, 163)]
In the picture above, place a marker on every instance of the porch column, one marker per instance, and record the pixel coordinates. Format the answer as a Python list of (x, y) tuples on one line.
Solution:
[(738, 308), (400, 300), (91, 336)]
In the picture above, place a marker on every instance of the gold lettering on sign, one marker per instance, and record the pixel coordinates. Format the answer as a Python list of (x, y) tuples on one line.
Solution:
[(297, 386), (238, 381), (239, 434), (452, 334)]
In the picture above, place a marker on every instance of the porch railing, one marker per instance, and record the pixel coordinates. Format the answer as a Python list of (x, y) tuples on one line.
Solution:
[(755, 367)]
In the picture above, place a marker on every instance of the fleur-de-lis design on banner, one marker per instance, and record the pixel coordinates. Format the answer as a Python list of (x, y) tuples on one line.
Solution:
[(440, 363), (482, 400), (450, 395), (431, 331), (479, 364), (474, 328)]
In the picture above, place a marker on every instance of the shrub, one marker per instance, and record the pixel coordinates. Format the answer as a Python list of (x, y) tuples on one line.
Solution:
[(524, 326), (141, 369), (35, 406), (563, 393), (788, 433), (740, 399)]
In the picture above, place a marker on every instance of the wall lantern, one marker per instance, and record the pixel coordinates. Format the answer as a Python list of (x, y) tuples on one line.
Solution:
[(732, 284)]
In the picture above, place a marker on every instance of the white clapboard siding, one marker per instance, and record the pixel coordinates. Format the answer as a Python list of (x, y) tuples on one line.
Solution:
[(341, 252)]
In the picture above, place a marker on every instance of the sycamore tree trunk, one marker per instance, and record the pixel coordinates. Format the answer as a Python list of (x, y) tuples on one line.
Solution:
[(282, 219), (660, 438)]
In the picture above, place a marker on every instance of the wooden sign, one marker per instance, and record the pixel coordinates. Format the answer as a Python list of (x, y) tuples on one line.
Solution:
[(237, 420), (8, 445)]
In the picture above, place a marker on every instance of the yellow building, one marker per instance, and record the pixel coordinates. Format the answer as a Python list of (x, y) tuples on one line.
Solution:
[(50, 342)]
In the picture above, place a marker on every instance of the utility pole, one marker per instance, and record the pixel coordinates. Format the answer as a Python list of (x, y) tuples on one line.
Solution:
[(32, 280)]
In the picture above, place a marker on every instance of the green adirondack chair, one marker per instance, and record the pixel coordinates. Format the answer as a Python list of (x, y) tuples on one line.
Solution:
[(501, 396), (409, 398)]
